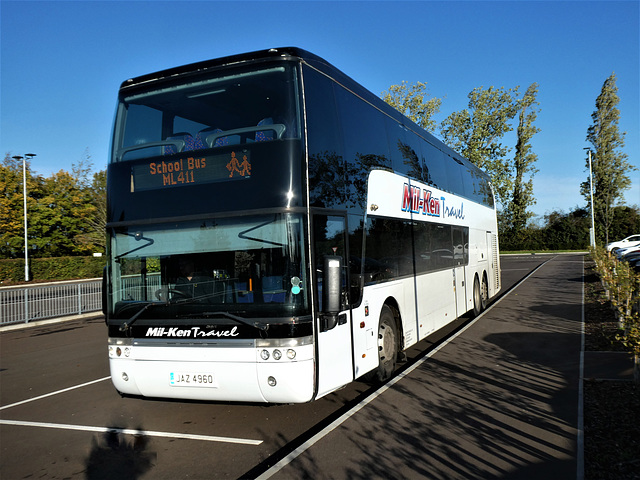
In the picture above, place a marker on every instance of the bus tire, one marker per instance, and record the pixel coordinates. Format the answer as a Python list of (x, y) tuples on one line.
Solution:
[(477, 297), (387, 347), (484, 292)]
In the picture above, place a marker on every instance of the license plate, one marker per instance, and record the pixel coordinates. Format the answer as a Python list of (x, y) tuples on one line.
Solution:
[(183, 379)]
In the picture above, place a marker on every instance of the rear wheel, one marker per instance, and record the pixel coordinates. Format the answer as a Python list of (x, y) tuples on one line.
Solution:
[(387, 347), (480, 295), (477, 298), (484, 292)]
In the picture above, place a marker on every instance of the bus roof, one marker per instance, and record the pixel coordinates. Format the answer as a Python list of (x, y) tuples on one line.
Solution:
[(272, 53), (295, 53)]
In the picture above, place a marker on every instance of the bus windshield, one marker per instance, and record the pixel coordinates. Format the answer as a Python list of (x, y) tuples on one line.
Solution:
[(239, 106), (247, 266)]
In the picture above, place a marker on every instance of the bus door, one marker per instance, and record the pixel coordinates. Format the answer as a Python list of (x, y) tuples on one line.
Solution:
[(334, 361)]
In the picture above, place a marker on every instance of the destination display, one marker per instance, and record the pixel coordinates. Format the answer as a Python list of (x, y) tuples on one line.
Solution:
[(191, 170)]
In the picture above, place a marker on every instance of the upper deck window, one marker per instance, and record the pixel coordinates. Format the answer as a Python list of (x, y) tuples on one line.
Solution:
[(228, 107)]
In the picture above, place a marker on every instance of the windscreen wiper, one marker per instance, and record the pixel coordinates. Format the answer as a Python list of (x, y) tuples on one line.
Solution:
[(244, 321), (244, 235), (126, 326), (138, 236)]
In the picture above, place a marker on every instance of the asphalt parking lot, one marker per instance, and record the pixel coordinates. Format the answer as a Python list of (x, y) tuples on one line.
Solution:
[(496, 397)]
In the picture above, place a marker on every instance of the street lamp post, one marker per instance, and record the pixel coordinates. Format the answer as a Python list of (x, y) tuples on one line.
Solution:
[(592, 233), (28, 156)]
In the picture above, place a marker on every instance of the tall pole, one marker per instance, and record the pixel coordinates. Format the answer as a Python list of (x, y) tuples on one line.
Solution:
[(592, 235), (24, 196)]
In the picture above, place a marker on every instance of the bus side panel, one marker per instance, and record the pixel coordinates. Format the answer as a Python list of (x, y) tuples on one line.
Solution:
[(334, 351), (436, 301), (367, 316)]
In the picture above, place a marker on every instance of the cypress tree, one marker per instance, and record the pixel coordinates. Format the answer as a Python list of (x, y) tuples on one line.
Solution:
[(609, 164)]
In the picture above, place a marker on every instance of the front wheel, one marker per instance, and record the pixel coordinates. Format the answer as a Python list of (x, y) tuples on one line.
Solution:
[(387, 347)]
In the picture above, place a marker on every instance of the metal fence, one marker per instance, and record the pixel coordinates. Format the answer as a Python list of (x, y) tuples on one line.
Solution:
[(37, 302)]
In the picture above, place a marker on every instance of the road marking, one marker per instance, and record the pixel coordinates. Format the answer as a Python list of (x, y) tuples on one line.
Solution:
[(55, 393), (128, 431), (580, 435)]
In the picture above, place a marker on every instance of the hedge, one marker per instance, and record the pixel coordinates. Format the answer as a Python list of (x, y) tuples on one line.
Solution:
[(57, 268)]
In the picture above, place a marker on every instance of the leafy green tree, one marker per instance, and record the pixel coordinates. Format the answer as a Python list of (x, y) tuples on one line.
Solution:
[(609, 164), (516, 214), (566, 231), (60, 216), (625, 222), (95, 234), (66, 212), (411, 101), (12, 206), (476, 133)]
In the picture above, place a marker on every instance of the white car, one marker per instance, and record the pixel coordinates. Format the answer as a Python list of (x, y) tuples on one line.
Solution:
[(631, 241)]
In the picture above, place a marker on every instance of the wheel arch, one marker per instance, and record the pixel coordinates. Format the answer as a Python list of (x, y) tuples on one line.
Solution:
[(392, 303)]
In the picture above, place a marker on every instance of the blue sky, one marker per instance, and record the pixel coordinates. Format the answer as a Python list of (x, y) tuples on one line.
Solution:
[(63, 61)]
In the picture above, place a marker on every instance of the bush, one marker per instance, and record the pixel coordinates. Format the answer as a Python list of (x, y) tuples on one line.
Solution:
[(622, 287), (57, 268)]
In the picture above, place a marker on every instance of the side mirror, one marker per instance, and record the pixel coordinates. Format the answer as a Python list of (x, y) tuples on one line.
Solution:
[(105, 293), (331, 291)]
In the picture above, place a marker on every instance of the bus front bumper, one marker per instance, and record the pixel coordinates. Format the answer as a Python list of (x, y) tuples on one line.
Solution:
[(201, 373)]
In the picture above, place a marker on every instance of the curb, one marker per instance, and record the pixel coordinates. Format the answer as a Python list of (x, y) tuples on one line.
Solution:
[(49, 321)]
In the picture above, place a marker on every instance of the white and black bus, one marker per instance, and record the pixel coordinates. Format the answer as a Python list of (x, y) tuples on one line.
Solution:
[(276, 231)]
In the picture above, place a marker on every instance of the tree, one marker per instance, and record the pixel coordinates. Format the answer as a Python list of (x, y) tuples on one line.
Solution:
[(12, 205), (476, 134), (11, 223), (609, 164), (95, 234), (566, 230), (66, 211), (516, 215), (60, 216), (411, 102), (625, 222)]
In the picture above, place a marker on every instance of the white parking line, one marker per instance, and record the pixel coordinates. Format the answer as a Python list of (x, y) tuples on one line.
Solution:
[(128, 431), (54, 393), (580, 437)]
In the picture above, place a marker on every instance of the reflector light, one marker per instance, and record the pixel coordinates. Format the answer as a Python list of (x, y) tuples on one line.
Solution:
[(271, 381), (125, 377)]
